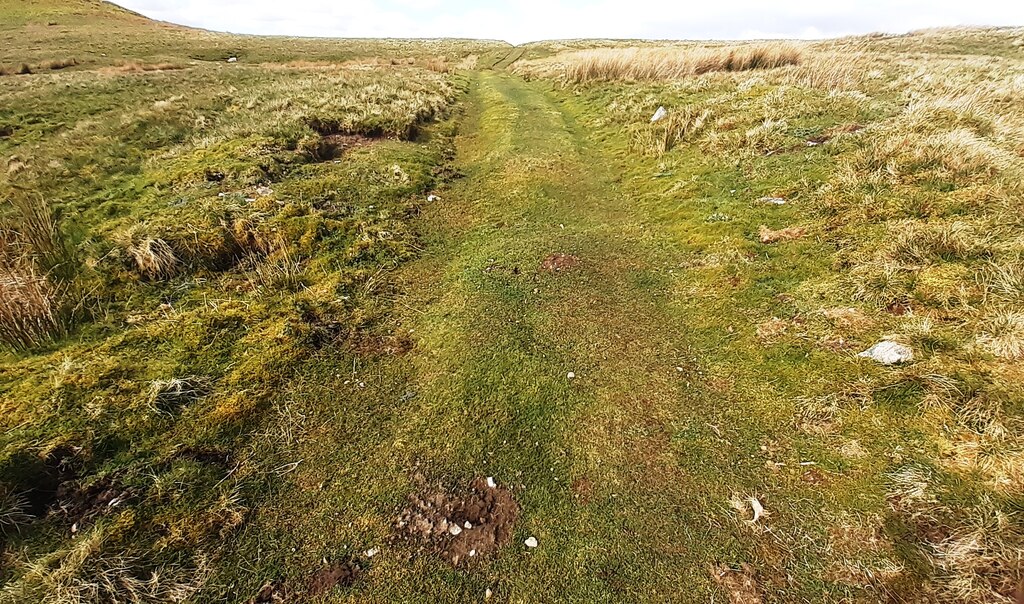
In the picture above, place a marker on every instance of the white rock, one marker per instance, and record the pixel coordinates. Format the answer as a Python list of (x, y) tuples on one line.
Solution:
[(531, 542), (372, 552), (233, 60), (659, 115), (571, 375), (455, 530), (757, 508), (488, 593), (490, 482), (433, 198), (775, 201), (472, 553), (468, 524), (888, 352)]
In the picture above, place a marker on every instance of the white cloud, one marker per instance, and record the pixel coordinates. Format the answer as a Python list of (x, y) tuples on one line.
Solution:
[(550, 19)]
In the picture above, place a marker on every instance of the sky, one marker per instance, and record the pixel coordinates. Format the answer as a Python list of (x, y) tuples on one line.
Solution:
[(532, 20)]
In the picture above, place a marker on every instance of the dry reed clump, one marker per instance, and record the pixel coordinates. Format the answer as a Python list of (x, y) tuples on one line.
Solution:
[(82, 573), (1002, 335), (31, 309), (138, 67), (975, 551), (35, 265), (650, 64), (833, 72), (679, 126), (154, 258)]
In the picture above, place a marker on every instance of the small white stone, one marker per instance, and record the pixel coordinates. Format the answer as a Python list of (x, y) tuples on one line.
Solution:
[(372, 552), (888, 352), (490, 482), (232, 59), (488, 593), (432, 198), (468, 524), (531, 542), (455, 530), (472, 553), (659, 115), (571, 375)]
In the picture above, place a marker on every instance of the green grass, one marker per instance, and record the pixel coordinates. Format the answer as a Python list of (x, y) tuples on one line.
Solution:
[(273, 341)]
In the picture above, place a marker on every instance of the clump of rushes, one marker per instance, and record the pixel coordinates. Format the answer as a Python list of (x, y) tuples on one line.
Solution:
[(642, 64), (36, 271)]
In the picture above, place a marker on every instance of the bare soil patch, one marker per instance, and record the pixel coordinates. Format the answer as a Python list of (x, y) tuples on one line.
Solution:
[(559, 262), (460, 525), (738, 584), (335, 574), (769, 236), (85, 503)]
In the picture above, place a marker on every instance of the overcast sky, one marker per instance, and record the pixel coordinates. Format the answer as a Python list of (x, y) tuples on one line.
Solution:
[(529, 20)]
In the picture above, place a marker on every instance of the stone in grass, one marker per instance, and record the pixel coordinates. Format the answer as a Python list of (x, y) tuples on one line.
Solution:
[(531, 542), (775, 201), (888, 352), (659, 115)]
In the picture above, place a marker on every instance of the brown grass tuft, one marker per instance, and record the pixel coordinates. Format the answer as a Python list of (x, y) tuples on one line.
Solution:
[(1003, 335), (644, 64), (769, 236), (154, 258)]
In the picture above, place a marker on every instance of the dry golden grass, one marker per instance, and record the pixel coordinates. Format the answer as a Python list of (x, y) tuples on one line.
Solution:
[(139, 67), (647, 64), (30, 310), (154, 258)]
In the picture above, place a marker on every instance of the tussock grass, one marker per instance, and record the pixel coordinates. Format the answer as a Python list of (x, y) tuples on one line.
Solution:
[(35, 268), (154, 258), (1003, 335), (83, 573), (647, 64), (830, 71), (139, 67), (681, 125), (13, 512), (31, 307), (47, 65)]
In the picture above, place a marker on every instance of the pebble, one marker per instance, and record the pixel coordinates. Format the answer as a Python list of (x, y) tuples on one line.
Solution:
[(468, 524), (372, 552), (571, 375), (888, 352), (490, 482), (531, 542), (455, 530)]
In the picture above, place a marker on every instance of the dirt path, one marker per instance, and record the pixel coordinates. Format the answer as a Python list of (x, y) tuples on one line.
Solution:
[(604, 484)]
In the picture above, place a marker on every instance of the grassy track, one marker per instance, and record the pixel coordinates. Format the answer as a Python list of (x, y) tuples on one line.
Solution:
[(612, 506), (314, 296)]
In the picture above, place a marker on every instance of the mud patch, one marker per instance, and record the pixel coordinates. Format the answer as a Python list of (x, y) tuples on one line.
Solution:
[(81, 504), (815, 477), (768, 236), (898, 308), (336, 574), (339, 574), (38, 479), (738, 584), (206, 455), (333, 146), (583, 490), (460, 526), (379, 346), (271, 593), (559, 263)]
